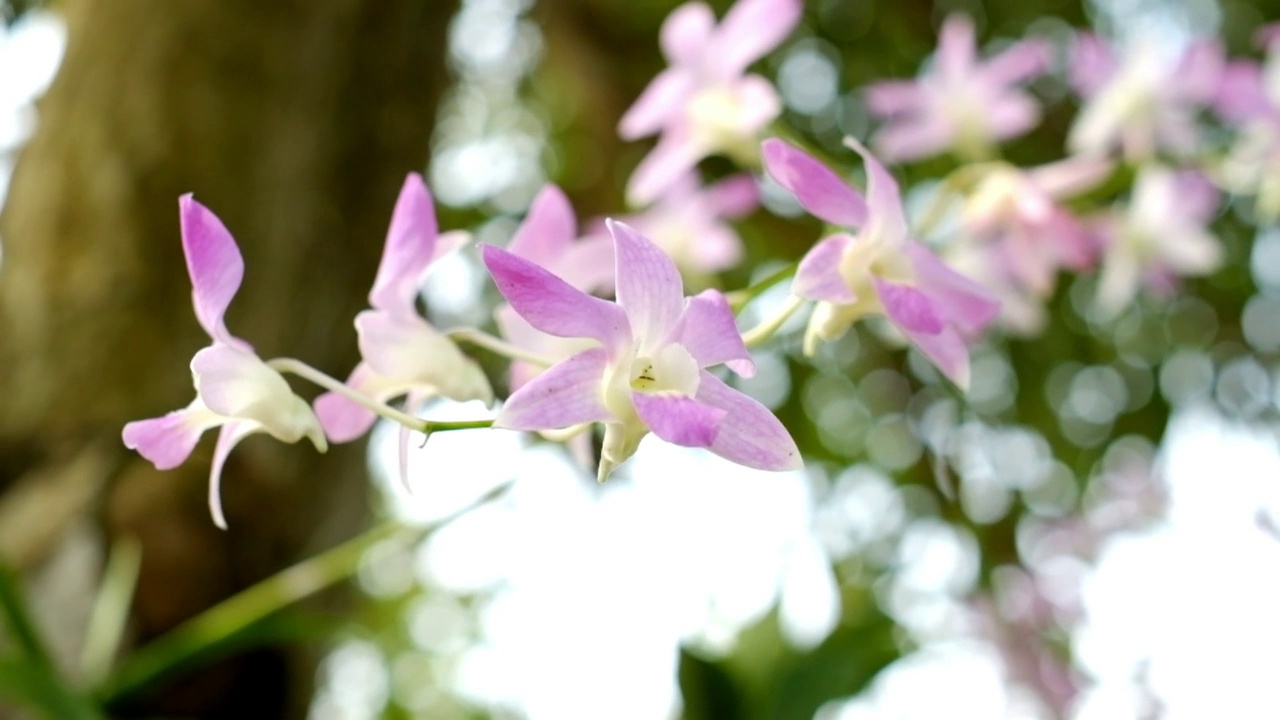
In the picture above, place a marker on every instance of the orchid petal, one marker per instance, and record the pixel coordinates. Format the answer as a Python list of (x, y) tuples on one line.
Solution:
[(819, 190), (894, 97), (409, 249), (214, 264), (408, 350), (1071, 176), (750, 30), (1092, 64), (818, 277), (568, 393), (230, 436), (914, 138), (758, 102), (947, 351), (1199, 71), (237, 384), (884, 202), (167, 441), (1018, 63), (748, 434), (649, 288), (685, 33), (967, 304), (956, 46), (552, 305), (1012, 115), (678, 419), (675, 155), (707, 330), (588, 265), (663, 99), (732, 197), (910, 309), (343, 419), (548, 230)]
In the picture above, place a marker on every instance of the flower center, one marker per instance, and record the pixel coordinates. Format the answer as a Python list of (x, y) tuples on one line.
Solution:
[(671, 369)]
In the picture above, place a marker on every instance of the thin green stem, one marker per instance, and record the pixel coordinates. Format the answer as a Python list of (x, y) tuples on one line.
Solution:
[(201, 634), (434, 426), (738, 299), (483, 339), (306, 372), (766, 329)]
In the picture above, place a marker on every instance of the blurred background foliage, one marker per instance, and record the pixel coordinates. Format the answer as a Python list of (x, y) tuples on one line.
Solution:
[(1007, 494)]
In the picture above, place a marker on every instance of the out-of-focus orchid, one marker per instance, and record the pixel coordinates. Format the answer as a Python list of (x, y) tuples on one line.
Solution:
[(235, 389), (1145, 101), (1249, 98), (1015, 235), (704, 103), (403, 354), (1160, 237), (880, 269), (688, 223), (959, 103), (646, 369)]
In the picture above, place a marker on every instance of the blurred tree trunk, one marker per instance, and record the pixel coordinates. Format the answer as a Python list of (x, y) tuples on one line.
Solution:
[(295, 121)]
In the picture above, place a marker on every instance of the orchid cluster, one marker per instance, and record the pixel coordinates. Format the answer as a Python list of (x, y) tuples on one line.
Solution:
[(605, 347)]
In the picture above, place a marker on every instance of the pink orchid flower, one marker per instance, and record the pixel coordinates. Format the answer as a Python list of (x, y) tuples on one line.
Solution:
[(1249, 99), (704, 103), (403, 354), (1159, 237), (960, 103), (1144, 101), (688, 222), (646, 369), (549, 237), (235, 389), (880, 270)]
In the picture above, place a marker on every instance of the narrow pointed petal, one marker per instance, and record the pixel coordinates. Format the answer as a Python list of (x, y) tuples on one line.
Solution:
[(1092, 64), (344, 420), (884, 202), (819, 190), (947, 351), (167, 441), (648, 284), (750, 30), (679, 419), (1072, 176), (568, 393), (894, 97), (588, 265), (1012, 115), (676, 154), (914, 138), (1019, 63), (663, 99), (733, 196), (685, 33), (956, 46), (818, 277), (749, 434), (410, 247), (910, 309), (967, 304), (552, 305), (230, 436), (707, 330), (214, 263), (548, 230)]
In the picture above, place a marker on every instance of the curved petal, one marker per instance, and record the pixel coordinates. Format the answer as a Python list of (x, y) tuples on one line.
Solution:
[(410, 247), (568, 393), (214, 264), (678, 419), (552, 305), (238, 385), (946, 349), (749, 434), (818, 277), (344, 420), (230, 436), (1018, 63), (1012, 115), (910, 309), (588, 265), (732, 197), (913, 138), (750, 30), (660, 102), (407, 350), (1092, 64), (886, 218), (675, 155), (684, 34), (956, 47), (548, 230), (819, 190), (707, 330), (889, 98), (966, 303), (649, 287), (167, 441)]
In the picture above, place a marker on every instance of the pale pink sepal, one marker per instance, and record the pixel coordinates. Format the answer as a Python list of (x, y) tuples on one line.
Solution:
[(679, 419), (819, 190), (215, 266), (748, 434), (568, 393)]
